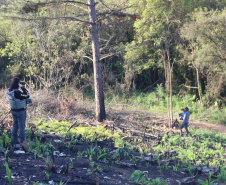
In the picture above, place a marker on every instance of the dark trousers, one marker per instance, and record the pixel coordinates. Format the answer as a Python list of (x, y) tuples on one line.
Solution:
[(184, 125), (19, 119)]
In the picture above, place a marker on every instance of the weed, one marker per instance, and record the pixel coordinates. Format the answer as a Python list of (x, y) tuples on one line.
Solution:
[(208, 182), (157, 157), (103, 154), (6, 155), (165, 166), (93, 169), (9, 173), (222, 175), (71, 163), (5, 141), (47, 175), (35, 155), (90, 153), (176, 167), (49, 163), (119, 142), (158, 181), (139, 177), (202, 182), (190, 169), (122, 153), (79, 154)]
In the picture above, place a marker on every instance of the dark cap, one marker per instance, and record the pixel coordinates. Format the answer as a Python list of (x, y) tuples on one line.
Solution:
[(186, 108)]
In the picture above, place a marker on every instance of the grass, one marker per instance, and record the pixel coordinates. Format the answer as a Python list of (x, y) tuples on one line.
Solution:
[(88, 133), (208, 150), (158, 104)]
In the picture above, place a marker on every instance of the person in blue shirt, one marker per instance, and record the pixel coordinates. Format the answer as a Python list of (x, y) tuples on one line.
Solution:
[(185, 118)]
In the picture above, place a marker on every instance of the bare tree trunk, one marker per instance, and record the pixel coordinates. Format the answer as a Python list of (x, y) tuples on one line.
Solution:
[(166, 86), (170, 87), (98, 85), (199, 85)]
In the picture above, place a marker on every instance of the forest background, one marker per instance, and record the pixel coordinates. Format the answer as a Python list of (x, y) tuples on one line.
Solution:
[(150, 50)]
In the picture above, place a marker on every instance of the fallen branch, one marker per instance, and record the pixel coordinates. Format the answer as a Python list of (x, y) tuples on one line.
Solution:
[(71, 126)]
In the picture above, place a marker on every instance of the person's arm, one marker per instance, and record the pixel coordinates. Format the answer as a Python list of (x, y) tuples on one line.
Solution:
[(21, 95)]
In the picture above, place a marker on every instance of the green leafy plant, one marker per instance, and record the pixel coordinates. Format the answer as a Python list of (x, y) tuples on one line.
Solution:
[(208, 181), (49, 163), (176, 167), (158, 181), (5, 140), (165, 166), (119, 142), (222, 175), (202, 182), (9, 173), (79, 154), (47, 175), (71, 163), (90, 152), (139, 177)]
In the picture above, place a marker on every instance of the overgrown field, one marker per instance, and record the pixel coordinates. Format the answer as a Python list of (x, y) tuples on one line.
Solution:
[(156, 101), (86, 153), (65, 145)]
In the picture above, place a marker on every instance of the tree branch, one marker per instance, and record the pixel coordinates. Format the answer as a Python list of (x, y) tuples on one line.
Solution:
[(190, 87), (61, 2), (88, 58), (112, 54), (105, 5), (107, 43), (51, 18), (71, 4), (113, 12)]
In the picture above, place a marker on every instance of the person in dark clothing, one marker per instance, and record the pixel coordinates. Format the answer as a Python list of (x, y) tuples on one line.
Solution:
[(18, 102)]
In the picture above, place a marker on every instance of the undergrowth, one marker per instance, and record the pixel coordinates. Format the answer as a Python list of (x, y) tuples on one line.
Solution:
[(156, 102), (88, 133), (202, 148)]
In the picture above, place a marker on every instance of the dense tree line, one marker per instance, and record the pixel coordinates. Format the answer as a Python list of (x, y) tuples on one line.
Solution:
[(178, 43)]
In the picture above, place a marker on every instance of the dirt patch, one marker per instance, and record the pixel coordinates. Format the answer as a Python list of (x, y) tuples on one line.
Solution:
[(208, 126)]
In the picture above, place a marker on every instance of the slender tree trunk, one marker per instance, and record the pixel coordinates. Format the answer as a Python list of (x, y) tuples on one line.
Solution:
[(170, 87), (166, 86), (199, 85), (98, 85)]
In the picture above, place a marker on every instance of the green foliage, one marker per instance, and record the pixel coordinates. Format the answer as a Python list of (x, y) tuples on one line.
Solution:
[(5, 140), (222, 175), (39, 148), (88, 133), (205, 33), (156, 101), (9, 173), (204, 148), (140, 177), (119, 142), (208, 182)]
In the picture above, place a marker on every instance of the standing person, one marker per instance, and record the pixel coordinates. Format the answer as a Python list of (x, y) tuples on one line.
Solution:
[(185, 118), (18, 102)]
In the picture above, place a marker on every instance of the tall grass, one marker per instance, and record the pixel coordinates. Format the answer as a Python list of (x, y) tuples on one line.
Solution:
[(156, 102)]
